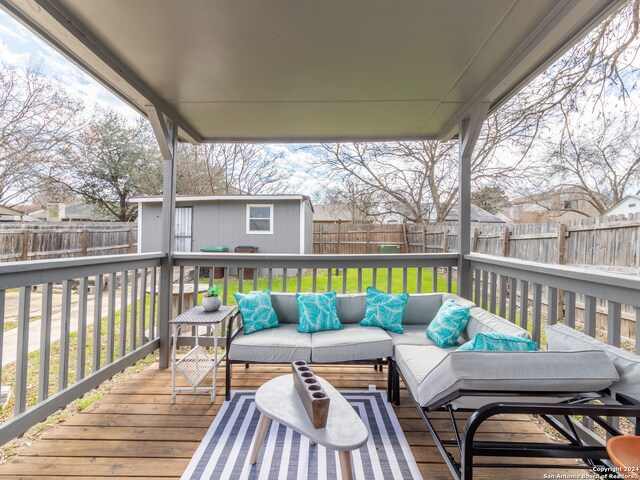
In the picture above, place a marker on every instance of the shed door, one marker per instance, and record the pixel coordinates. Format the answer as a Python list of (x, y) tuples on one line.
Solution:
[(184, 216)]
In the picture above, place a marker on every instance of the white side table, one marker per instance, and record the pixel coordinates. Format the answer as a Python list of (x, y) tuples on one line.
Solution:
[(196, 365), (278, 400)]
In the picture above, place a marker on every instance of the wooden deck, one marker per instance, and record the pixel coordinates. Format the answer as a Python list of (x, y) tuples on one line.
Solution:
[(135, 431)]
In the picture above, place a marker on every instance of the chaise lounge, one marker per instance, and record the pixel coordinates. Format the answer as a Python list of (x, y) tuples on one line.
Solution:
[(556, 385)]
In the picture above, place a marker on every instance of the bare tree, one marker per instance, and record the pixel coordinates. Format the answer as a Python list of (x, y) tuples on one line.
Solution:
[(37, 120), (599, 158), (359, 201), (229, 169)]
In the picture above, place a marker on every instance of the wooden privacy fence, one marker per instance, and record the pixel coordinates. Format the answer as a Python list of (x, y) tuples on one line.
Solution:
[(28, 241), (609, 242), (355, 238)]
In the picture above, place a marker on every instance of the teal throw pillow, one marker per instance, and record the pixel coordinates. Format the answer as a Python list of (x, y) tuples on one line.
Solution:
[(448, 324), (257, 311), (494, 341), (317, 312), (384, 310)]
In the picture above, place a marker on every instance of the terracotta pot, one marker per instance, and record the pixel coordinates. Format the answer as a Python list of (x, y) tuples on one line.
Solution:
[(211, 304)]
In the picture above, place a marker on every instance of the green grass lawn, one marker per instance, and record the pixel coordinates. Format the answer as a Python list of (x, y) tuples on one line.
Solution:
[(322, 282)]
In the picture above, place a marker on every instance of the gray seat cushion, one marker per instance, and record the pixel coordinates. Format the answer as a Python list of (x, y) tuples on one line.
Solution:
[(561, 337), (274, 345), (351, 343), (432, 374), (482, 321)]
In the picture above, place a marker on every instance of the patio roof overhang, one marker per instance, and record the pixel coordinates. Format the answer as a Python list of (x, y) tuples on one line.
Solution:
[(301, 70)]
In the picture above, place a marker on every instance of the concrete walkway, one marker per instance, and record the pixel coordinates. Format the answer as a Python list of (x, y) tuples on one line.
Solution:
[(10, 341)]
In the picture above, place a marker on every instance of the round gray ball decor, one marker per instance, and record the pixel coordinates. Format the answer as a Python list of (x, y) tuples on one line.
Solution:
[(211, 304)]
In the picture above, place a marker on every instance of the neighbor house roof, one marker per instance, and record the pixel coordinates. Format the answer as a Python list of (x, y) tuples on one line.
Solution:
[(292, 70), (332, 212), (10, 211), (77, 212), (477, 215), (636, 197)]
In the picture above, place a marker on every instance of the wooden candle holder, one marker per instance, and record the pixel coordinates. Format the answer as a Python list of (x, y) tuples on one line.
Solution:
[(314, 398)]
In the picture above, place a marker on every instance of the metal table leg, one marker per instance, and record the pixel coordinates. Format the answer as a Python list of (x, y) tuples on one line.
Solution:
[(215, 364), (173, 364)]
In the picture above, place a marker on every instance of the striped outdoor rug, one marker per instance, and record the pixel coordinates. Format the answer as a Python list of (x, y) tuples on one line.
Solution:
[(225, 449)]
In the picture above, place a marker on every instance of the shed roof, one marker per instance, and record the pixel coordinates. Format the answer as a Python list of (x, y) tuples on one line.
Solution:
[(303, 70), (221, 198)]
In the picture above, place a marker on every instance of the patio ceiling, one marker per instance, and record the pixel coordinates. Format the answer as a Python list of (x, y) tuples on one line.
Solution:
[(303, 70)]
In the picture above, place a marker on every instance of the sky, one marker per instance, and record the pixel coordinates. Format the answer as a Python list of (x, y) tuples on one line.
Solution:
[(20, 47)]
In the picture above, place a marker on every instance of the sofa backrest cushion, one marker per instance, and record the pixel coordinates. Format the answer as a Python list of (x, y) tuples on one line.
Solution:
[(562, 337), (482, 321), (420, 308)]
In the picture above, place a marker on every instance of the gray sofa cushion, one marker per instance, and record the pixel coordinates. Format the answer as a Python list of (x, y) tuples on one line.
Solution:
[(561, 337), (351, 343), (432, 374), (276, 345), (482, 321), (413, 335), (286, 307), (351, 307), (420, 308)]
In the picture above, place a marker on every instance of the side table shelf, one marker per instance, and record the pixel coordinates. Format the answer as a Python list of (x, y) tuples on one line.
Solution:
[(196, 365)]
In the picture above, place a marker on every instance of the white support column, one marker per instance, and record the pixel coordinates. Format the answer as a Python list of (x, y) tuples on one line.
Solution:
[(167, 137), (468, 136)]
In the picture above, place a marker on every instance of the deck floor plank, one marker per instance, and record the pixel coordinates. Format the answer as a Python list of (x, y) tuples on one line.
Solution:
[(135, 432)]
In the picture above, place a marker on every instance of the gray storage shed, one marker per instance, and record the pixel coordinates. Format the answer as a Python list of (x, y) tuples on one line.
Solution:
[(273, 223)]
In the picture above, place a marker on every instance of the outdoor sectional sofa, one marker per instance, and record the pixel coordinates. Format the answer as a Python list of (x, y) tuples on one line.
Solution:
[(352, 344), (554, 384)]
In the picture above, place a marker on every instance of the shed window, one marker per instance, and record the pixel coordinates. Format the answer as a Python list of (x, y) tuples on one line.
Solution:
[(571, 205), (259, 218)]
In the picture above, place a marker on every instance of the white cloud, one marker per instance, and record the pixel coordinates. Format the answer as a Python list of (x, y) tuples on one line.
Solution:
[(20, 47)]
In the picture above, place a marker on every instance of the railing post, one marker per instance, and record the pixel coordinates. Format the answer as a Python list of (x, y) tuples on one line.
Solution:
[(468, 136), (166, 135), (561, 259)]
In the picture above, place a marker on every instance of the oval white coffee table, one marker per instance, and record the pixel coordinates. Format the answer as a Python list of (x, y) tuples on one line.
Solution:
[(278, 400)]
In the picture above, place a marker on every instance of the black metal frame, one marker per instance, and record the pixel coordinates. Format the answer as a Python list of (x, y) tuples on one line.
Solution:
[(377, 363), (595, 456)]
